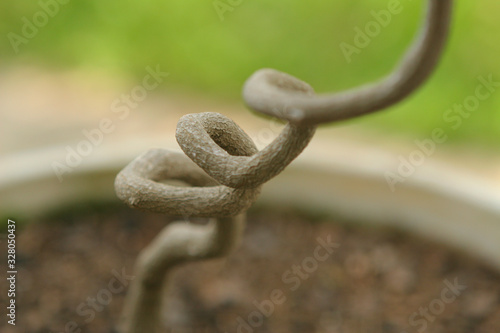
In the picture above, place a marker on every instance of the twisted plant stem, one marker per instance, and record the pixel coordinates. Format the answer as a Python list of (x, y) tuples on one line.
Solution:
[(178, 243), (281, 95), (225, 170)]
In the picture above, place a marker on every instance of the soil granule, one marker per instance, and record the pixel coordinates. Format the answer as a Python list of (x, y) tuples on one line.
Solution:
[(284, 277)]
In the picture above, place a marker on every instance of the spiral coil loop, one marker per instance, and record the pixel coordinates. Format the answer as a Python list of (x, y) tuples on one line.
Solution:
[(218, 148), (226, 171), (281, 95), (225, 152)]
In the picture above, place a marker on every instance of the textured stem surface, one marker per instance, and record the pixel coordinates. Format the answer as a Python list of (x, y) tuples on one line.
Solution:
[(178, 243), (226, 170), (286, 97), (210, 140), (140, 186)]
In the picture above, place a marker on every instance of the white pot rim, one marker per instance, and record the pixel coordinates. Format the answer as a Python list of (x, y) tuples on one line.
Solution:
[(438, 201)]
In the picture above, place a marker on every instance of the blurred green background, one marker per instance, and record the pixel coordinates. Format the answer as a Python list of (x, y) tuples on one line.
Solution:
[(207, 55)]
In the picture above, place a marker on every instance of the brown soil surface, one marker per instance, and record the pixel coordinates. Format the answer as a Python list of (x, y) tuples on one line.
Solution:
[(374, 280)]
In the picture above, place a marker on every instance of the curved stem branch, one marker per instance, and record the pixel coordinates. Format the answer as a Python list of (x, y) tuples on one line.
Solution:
[(281, 95), (178, 243), (220, 148)]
